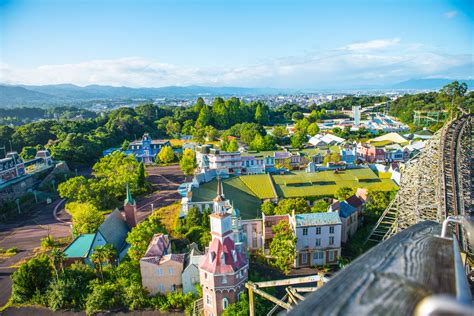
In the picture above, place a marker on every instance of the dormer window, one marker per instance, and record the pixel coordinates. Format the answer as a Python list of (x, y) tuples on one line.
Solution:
[(212, 256)]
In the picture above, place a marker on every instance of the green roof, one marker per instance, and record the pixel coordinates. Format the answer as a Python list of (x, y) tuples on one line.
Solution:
[(326, 183), (260, 185), (247, 192), (235, 190), (80, 247), (115, 230)]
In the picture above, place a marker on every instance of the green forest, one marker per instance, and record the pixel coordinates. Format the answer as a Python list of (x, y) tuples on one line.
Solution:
[(81, 142)]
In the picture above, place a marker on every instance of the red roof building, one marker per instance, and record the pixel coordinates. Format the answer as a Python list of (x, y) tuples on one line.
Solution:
[(223, 270)]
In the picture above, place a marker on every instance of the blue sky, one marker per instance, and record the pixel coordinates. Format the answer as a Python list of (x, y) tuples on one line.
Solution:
[(288, 44)]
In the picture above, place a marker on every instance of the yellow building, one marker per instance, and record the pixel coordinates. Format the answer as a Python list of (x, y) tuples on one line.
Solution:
[(160, 269)]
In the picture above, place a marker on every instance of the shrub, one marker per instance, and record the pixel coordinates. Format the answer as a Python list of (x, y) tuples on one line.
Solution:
[(103, 297), (31, 280)]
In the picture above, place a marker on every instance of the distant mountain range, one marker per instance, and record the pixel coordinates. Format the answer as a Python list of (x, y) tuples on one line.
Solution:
[(26, 95), (427, 84), (16, 95)]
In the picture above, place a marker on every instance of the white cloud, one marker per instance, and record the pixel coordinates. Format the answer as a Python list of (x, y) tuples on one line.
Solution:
[(450, 14), (356, 65), (372, 45)]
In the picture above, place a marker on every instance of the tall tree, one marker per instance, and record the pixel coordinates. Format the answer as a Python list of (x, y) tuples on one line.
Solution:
[(166, 154), (283, 247), (286, 206), (261, 114), (343, 193), (86, 218), (188, 162), (298, 139), (204, 118), (141, 180)]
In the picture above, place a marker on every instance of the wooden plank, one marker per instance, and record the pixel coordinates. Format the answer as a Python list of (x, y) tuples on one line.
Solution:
[(306, 279), (391, 278)]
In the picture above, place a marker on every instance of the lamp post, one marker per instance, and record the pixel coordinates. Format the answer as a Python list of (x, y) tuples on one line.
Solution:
[(18, 205), (152, 209)]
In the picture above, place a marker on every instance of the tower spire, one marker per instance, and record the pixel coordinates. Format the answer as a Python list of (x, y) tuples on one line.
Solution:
[(129, 199), (130, 208), (220, 191)]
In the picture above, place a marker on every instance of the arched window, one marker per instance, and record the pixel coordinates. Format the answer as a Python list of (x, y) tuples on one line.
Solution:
[(225, 303)]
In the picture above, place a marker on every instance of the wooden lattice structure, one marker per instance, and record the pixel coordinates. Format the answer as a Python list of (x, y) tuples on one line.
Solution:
[(433, 183)]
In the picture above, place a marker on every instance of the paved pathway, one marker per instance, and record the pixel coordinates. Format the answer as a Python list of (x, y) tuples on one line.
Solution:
[(26, 232)]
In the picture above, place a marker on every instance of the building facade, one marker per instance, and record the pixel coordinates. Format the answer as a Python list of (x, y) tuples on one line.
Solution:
[(318, 238), (190, 276), (161, 270), (253, 234), (146, 149)]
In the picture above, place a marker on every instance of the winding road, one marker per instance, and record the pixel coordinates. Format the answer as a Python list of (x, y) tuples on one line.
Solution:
[(25, 233)]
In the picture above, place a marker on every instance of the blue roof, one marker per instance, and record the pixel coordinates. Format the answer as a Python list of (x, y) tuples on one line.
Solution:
[(80, 247), (346, 210), (313, 219)]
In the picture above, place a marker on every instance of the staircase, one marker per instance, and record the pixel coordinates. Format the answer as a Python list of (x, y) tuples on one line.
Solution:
[(386, 225)]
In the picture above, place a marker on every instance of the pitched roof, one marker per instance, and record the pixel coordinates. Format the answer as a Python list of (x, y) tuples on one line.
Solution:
[(115, 230), (346, 210), (80, 247), (222, 257), (313, 219), (354, 201), (158, 246), (392, 137)]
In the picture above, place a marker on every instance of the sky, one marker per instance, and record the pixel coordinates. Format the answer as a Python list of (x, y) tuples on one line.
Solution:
[(281, 44)]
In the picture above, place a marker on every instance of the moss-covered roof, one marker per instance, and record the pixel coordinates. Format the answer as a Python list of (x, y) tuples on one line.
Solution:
[(247, 192)]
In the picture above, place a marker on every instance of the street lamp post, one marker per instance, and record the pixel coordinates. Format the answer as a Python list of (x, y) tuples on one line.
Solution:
[(152, 209), (18, 205)]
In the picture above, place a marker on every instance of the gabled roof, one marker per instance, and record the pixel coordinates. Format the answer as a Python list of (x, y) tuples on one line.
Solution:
[(354, 201), (80, 247), (158, 246), (193, 257), (115, 230), (346, 210), (314, 219)]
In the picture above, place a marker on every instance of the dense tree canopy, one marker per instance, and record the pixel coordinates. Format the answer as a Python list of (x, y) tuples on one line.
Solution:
[(283, 247)]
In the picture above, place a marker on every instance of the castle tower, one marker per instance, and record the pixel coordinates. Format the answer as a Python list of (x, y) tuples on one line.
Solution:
[(223, 269), (130, 208)]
